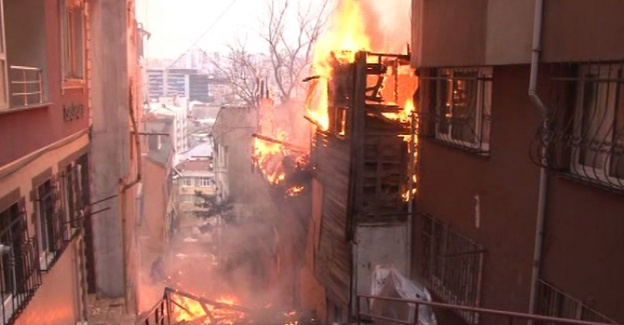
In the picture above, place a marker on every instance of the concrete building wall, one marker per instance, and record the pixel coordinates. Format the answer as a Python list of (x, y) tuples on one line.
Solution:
[(485, 32), (505, 183), (24, 131), (58, 299), (582, 30), (584, 230), (378, 245), (57, 302), (110, 141)]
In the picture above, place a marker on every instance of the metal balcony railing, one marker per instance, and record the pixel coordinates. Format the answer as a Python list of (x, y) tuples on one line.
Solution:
[(19, 269), (492, 315), (26, 86)]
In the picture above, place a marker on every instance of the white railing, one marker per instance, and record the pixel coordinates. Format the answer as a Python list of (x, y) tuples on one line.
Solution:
[(26, 86)]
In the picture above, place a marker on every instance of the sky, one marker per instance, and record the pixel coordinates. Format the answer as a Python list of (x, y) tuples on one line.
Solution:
[(176, 24)]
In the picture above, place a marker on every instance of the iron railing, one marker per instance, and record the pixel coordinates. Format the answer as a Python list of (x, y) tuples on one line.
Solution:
[(583, 138), (455, 107), (494, 316), (19, 267), (26, 86), (554, 302), (54, 231), (452, 266)]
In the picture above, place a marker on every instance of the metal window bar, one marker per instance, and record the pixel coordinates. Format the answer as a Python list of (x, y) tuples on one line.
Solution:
[(554, 302), (585, 138), (452, 266), (455, 104), (53, 227), (19, 264), (497, 316), (26, 86)]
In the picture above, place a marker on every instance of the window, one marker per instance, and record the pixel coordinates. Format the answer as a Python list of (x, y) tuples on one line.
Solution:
[(462, 107), (553, 302), (4, 89), (452, 266), (599, 124), (187, 182), (19, 263), (205, 182), (73, 39), (72, 198), (50, 224)]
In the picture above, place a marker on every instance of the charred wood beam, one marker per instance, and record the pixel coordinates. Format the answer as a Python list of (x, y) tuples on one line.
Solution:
[(205, 301), (291, 146)]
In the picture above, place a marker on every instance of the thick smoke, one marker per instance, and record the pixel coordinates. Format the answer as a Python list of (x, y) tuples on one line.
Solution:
[(387, 24)]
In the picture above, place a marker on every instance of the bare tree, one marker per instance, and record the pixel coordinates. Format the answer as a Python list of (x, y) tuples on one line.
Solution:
[(289, 30)]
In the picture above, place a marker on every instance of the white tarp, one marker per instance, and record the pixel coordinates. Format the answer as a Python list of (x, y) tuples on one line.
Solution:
[(389, 282)]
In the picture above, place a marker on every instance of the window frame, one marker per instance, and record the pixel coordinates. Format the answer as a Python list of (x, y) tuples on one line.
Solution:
[(53, 242), (605, 102), (481, 111), (74, 75)]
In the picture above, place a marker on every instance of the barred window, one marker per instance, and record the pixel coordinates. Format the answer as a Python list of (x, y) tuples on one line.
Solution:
[(19, 263), (51, 223), (72, 203), (599, 123), (585, 136), (460, 104), (452, 266), (554, 302)]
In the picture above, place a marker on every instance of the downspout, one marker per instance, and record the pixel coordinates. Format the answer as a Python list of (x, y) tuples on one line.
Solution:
[(410, 195), (124, 187), (543, 182)]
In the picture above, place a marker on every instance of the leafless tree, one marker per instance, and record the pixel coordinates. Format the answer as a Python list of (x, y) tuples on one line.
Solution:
[(289, 29), (243, 70)]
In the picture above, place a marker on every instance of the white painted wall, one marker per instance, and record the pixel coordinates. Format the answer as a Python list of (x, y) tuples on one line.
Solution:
[(378, 244)]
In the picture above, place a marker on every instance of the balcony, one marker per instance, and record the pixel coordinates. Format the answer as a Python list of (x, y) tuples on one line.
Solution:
[(19, 264), (23, 56), (26, 86)]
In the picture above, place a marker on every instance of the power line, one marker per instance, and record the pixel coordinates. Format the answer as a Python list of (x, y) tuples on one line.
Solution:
[(146, 82), (202, 35)]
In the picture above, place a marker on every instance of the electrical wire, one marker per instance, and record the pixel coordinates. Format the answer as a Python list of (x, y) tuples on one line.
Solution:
[(202, 35)]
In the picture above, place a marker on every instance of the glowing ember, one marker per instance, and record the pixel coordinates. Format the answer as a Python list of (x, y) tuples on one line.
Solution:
[(295, 190), (405, 115), (185, 309)]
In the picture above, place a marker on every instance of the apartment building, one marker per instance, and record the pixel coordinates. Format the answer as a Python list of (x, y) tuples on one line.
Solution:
[(156, 214), (192, 83), (44, 162), (232, 132), (521, 155), (194, 176)]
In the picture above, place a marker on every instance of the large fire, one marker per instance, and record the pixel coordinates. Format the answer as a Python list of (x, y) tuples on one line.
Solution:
[(341, 42)]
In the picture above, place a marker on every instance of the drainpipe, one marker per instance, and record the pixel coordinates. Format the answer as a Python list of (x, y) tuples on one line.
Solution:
[(410, 188), (122, 191), (543, 182)]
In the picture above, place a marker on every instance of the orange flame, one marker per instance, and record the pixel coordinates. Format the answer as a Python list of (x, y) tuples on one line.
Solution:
[(192, 310), (265, 154), (342, 41), (404, 115)]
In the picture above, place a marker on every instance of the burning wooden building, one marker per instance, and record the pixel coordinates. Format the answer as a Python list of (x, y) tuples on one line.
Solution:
[(361, 162)]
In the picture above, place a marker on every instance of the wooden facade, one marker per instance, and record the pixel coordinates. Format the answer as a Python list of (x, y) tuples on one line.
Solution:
[(361, 163)]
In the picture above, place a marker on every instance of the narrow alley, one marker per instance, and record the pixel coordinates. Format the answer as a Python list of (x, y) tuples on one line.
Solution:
[(311, 162)]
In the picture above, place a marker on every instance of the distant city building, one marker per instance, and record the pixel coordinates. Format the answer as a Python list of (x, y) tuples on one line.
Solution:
[(191, 83), (177, 108)]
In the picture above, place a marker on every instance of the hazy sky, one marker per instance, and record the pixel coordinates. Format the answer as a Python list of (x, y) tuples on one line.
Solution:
[(176, 24)]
